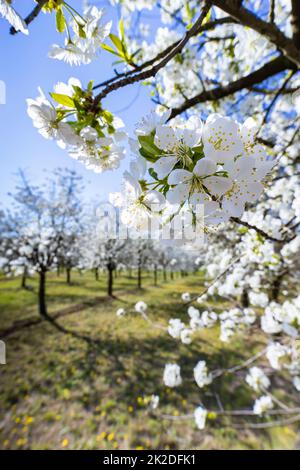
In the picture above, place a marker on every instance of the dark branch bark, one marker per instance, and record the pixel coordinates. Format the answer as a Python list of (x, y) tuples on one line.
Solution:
[(265, 91), (272, 11), (153, 71), (266, 71), (270, 31), (277, 95), (205, 27), (259, 231), (295, 22), (31, 17)]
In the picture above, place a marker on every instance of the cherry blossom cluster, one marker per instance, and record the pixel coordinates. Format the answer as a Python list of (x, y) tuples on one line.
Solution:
[(8, 12), (89, 32), (217, 165), (91, 136)]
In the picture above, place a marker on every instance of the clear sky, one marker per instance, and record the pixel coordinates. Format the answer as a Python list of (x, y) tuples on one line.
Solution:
[(24, 67)]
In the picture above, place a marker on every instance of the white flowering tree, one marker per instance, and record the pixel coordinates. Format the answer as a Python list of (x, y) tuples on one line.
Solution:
[(225, 136), (36, 234)]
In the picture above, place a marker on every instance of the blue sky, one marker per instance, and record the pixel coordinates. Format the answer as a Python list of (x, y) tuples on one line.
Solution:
[(24, 67)]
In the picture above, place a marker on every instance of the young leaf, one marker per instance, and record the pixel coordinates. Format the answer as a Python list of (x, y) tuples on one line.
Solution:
[(63, 100), (117, 42), (148, 145), (153, 174), (60, 21), (121, 29), (110, 49), (107, 116), (81, 31), (147, 155)]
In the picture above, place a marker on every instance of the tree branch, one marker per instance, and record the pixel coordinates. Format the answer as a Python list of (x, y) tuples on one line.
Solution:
[(31, 17), (260, 231), (205, 27), (272, 12), (295, 22), (277, 95), (273, 67), (270, 31), (153, 71)]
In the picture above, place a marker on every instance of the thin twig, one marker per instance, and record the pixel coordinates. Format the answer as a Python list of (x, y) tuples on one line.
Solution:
[(34, 13), (205, 27), (259, 230), (153, 71), (216, 279), (272, 12), (243, 365)]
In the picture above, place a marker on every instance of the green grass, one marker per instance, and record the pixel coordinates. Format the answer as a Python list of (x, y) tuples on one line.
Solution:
[(59, 392)]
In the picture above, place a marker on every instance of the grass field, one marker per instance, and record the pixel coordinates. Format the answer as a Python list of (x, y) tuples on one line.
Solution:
[(60, 392)]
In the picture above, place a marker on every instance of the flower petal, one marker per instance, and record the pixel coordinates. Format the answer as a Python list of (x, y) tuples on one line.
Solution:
[(163, 166), (165, 138), (179, 176), (205, 167), (178, 195), (217, 185)]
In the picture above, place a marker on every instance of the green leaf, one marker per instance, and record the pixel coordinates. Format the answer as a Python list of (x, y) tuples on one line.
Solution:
[(153, 174), (60, 21), (117, 62), (110, 49), (188, 11), (147, 155), (117, 42), (111, 129), (90, 85), (147, 142), (64, 100), (121, 29), (107, 116), (81, 31)]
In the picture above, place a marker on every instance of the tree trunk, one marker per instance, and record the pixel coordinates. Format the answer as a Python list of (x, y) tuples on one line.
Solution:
[(275, 291), (96, 274), (42, 294), (245, 298), (68, 271), (139, 277), (165, 274), (24, 278), (172, 275), (110, 281), (155, 275)]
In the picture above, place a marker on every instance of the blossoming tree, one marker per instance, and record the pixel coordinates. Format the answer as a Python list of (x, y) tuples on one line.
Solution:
[(225, 136), (35, 236)]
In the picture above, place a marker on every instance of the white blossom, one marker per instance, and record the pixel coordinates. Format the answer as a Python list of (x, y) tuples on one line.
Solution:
[(200, 415), (172, 377), (121, 312), (10, 14), (141, 307), (262, 405), (186, 297), (257, 379), (201, 374)]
